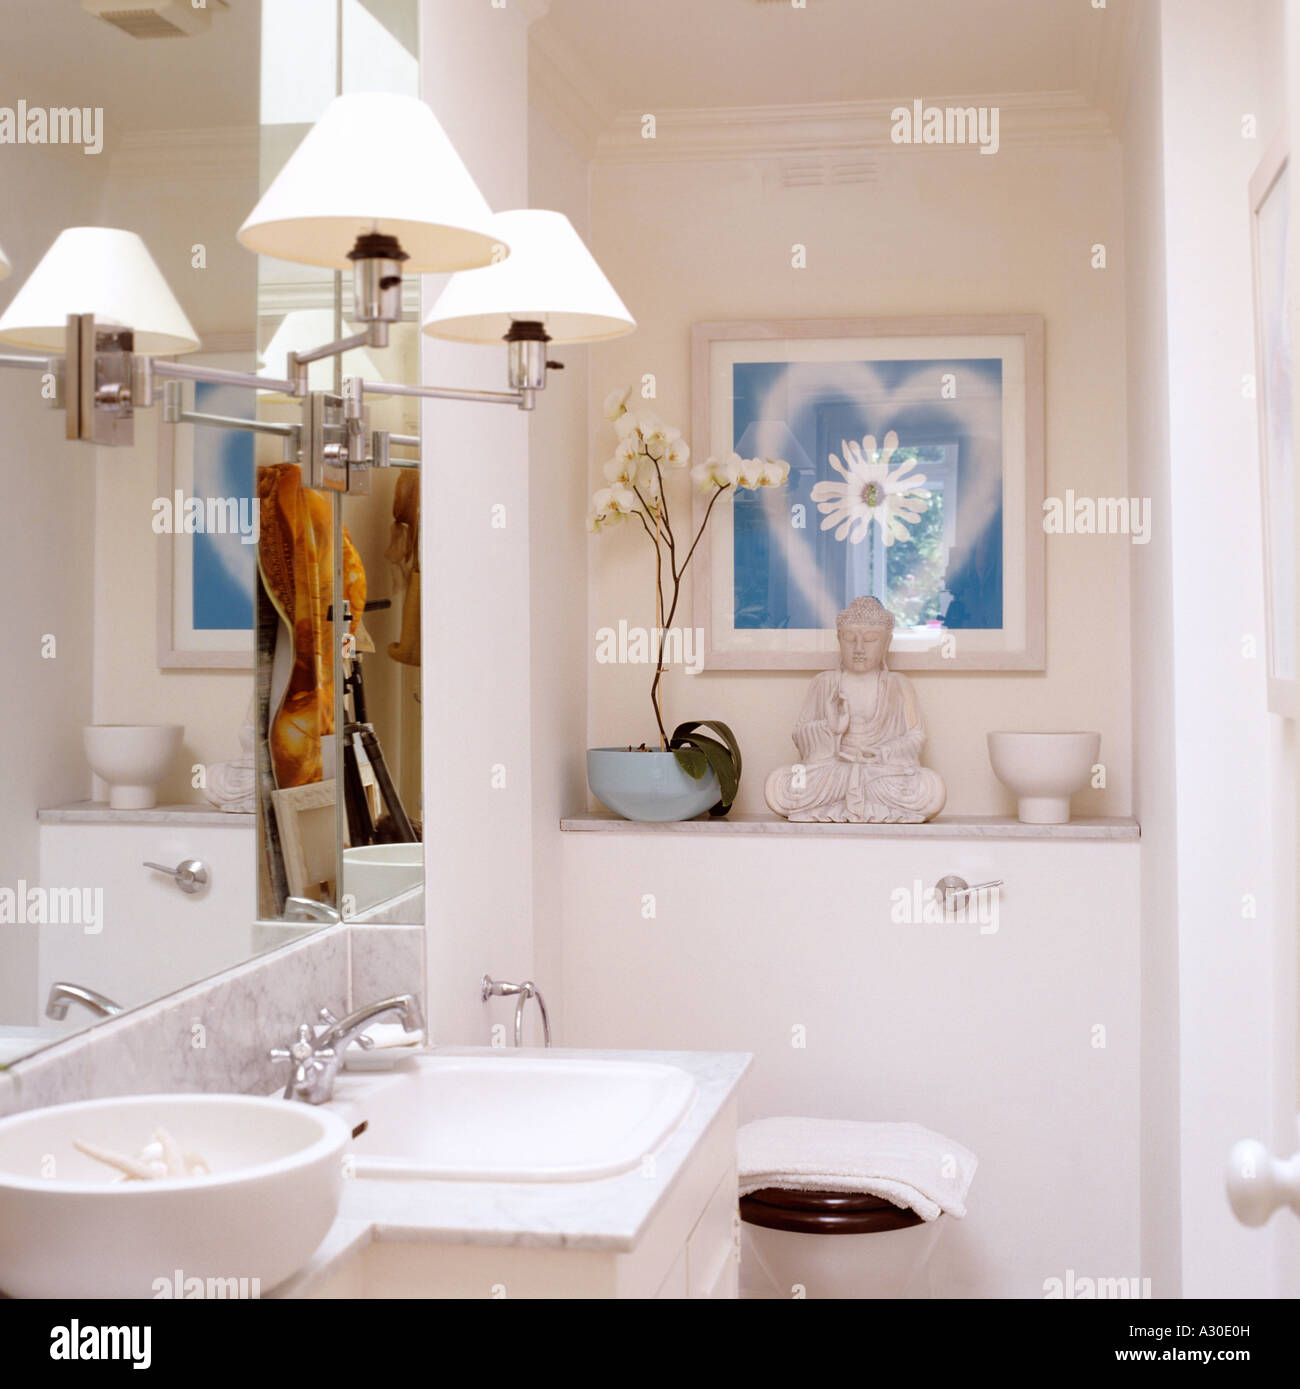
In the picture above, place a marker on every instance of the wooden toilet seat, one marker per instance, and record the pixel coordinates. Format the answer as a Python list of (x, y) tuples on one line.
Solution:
[(824, 1212)]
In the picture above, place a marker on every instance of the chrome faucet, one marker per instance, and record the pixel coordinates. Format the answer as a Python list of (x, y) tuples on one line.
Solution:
[(307, 909), (318, 1052), (61, 994)]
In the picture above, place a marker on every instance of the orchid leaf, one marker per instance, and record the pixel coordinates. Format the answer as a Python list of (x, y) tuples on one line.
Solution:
[(692, 762), (692, 748)]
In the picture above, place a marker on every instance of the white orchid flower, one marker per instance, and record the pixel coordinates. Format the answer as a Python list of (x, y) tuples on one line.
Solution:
[(616, 404), (773, 472), (620, 470), (616, 501), (742, 472), (707, 476), (678, 453)]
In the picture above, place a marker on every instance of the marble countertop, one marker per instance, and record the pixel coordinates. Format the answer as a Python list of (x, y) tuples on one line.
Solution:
[(1112, 827), (608, 1213), (101, 813)]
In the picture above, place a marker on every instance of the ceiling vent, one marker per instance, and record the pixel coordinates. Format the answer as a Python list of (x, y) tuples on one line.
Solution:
[(827, 170), (153, 19)]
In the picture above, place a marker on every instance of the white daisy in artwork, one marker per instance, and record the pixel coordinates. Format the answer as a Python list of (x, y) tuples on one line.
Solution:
[(895, 499)]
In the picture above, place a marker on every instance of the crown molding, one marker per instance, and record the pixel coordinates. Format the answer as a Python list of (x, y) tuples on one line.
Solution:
[(566, 93), (1113, 72), (224, 154), (1027, 120)]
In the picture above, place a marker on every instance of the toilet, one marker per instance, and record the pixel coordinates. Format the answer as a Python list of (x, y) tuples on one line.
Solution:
[(835, 1245), (814, 1240)]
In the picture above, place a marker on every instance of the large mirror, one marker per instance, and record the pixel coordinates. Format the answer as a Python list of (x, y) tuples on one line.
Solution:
[(148, 729), (337, 712)]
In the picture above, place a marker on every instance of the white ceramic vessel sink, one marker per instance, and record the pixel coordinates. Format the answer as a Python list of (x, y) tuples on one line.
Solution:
[(518, 1119), (70, 1227), (375, 873)]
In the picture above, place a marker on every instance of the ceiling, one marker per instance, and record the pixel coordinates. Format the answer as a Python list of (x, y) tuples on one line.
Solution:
[(55, 54), (731, 53)]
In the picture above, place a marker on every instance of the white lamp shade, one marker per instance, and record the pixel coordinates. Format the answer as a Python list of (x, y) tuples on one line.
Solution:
[(103, 271), (374, 162), (5, 267), (550, 276), (300, 331)]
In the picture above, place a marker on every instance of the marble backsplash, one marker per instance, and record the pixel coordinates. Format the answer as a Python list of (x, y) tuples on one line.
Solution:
[(216, 1035)]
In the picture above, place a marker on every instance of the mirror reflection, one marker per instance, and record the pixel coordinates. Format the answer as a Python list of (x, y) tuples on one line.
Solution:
[(338, 611), (175, 655)]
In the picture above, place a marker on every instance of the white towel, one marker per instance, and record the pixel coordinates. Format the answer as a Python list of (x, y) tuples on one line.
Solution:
[(906, 1164)]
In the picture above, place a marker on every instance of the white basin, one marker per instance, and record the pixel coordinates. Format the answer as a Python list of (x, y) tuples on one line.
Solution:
[(132, 759), (70, 1228), (374, 873), (518, 1119)]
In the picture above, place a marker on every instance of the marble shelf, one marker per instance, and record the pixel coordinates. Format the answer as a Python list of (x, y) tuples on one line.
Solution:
[(1116, 827), (101, 813)]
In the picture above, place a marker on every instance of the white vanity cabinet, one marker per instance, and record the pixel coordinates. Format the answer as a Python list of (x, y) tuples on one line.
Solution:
[(152, 937)]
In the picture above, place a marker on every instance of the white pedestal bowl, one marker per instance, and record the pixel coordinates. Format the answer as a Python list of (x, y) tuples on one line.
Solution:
[(1043, 770), (132, 759)]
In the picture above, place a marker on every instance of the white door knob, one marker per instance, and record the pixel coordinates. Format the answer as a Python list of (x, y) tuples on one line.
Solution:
[(1258, 1183)]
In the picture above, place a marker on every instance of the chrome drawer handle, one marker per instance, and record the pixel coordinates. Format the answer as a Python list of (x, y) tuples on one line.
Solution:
[(191, 874)]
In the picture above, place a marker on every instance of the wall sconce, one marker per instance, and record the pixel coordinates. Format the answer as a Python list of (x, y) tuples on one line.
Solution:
[(97, 297), (344, 200), (550, 289)]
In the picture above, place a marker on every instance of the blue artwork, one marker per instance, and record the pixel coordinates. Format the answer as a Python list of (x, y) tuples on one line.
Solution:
[(225, 551), (895, 490)]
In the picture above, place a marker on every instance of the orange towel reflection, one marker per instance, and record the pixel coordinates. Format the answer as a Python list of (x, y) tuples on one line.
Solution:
[(295, 557)]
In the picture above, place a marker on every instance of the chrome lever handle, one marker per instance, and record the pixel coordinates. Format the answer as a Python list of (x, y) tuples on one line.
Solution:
[(191, 874), (949, 888)]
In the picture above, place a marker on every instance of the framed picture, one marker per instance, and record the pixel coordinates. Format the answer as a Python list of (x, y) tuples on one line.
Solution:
[(916, 475), (1268, 207), (206, 519)]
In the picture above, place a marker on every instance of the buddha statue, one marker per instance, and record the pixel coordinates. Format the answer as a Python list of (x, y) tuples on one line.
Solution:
[(859, 737)]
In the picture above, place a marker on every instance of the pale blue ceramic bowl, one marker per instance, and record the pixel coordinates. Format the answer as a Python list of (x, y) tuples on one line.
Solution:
[(648, 786)]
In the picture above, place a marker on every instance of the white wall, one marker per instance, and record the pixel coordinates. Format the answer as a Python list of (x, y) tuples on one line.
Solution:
[(47, 538), (947, 232), (476, 579), (557, 179), (988, 1038)]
